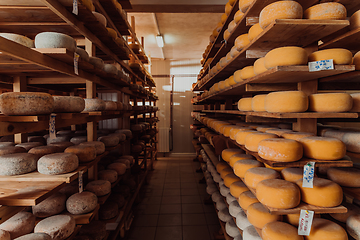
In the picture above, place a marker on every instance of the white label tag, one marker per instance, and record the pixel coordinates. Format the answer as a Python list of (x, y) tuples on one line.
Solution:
[(81, 183), (52, 132), (308, 176), (305, 222), (75, 7), (321, 65), (76, 63)]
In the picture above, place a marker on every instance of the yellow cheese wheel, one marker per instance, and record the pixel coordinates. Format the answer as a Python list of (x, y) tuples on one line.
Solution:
[(278, 132), (244, 104), (355, 20), (227, 83), (222, 85), (330, 102), (296, 135), (241, 166), (221, 166), (237, 157), (246, 199), (242, 41), (278, 169), (287, 193), (237, 76), (238, 188), (238, 16), (232, 26), (326, 11), (258, 103), (231, 80), (323, 148), (252, 140), (280, 231), (286, 56), (232, 2), (225, 172), (215, 33), (339, 55), (323, 229), (280, 10), (227, 153), (347, 177), (223, 18), (259, 216), (227, 130), (292, 174), (255, 175), (254, 31), (233, 52), (228, 8), (244, 5), (263, 129), (259, 66), (356, 59), (240, 136), (280, 150), (293, 219), (247, 72), (235, 130), (230, 179), (325, 193), (286, 101), (226, 34)]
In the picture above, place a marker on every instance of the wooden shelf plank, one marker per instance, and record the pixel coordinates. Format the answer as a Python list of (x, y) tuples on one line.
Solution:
[(349, 40), (86, 218), (305, 206), (7, 212), (88, 165)]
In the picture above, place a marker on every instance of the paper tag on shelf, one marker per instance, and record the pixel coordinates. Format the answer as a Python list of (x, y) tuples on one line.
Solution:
[(52, 132), (76, 63), (305, 222), (81, 183), (75, 7), (308, 176), (321, 65)]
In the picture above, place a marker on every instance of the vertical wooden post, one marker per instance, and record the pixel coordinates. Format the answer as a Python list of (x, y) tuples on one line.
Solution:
[(217, 106), (228, 104), (20, 85), (133, 27), (73, 127)]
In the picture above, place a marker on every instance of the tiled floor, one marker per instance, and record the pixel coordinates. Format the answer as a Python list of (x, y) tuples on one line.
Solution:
[(172, 207)]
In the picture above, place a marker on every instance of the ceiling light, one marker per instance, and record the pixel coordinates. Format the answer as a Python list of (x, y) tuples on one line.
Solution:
[(160, 41)]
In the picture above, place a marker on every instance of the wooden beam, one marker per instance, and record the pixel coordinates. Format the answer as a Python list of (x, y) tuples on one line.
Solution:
[(20, 85), (268, 87), (181, 8)]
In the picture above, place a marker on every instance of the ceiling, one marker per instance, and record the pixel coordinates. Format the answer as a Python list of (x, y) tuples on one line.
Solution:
[(185, 24)]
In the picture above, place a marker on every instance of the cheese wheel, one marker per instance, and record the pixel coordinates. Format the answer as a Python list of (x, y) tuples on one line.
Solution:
[(99, 146), (83, 152), (323, 229), (264, 129), (238, 16), (225, 172), (254, 31), (220, 204), (20, 224), (230, 179), (244, 5), (351, 140), (81, 203), (231, 229), (94, 104), (285, 56), (11, 149), (57, 163), (95, 229), (258, 103), (259, 66), (234, 158), (244, 104), (325, 193), (241, 41), (287, 193), (241, 166), (280, 231), (251, 233), (227, 129), (351, 210), (339, 55), (71, 104), (224, 215), (221, 166), (108, 210), (228, 8), (241, 220), (241, 135), (255, 175), (234, 207), (352, 226), (280, 10), (330, 102), (292, 174), (109, 141), (356, 101), (259, 216), (326, 11), (34, 236), (53, 205), (280, 150), (252, 140), (346, 177), (237, 76), (236, 188), (84, 56), (17, 164), (278, 132), (44, 150), (120, 168), (110, 106), (232, 26), (59, 227), (286, 101), (296, 135), (109, 175), (227, 153), (55, 40), (246, 199), (355, 20), (323, 148), (99, 187), (247, 72), (293, 218), (27, 42), (226, 35)]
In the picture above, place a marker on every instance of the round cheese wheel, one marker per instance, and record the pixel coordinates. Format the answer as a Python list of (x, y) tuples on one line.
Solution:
[(224, 215), (238, 16), (241, 220), (351, 140), (258, 103), (236, 188), (221, 166), (109, 175), (259, 216), (241, 135), (224, 190), (78, 140), (230, 178), (81, 203), (110, 69), (71, 104), (95, 229), (227, 130), (259, 66), (241, 166), (326, 11), (99, 187), (225, 172), (27, 42), (254, 31), (55, 40), (231, 229), (355, 20), (227, 35), (211, 188), (293, 219), (84, 56), (216, 197), (17, 164), (234, 131), (234, 158), (280, 150), (109, 141), (110, 106), (247, 72), (323, 229), (52, 205), (251, 233), (277, 131), (244, 5), (346, 177), (292, 174), (20, 224), (280, 231), (325, 193), (59, 227), (296, 135), (339, 55), (237, 76), (285, 56), (228, 8), (234, 207), (323, 148), (246, 199), (7, 144), (280, 10), (287, 193), (352, 226), (83, 152), (356, 101), (244, 104), (34, 236), (351, 210), (255, 175), (11, 149), (44, 150), (57, 163), (286, 101), (61, 145), (99, 146), (220, 205), (330, 102), (94, 104), (252, 140), (26, 103), (120, 168), (241, 41), (108, 210), (98, 63), (227, 153), (232, 26)]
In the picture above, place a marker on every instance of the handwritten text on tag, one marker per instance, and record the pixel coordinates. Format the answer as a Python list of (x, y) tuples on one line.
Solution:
[(308, 176), (321, 65), (305, 222)]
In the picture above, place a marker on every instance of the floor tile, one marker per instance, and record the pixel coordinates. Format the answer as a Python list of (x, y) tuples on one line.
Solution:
[(213, 229), (193, 219), (189, 191), (170, 208), (170, 199), (191, 199), (146, 209), (212, 218), (172, 185), (169, 220), (171, 192), (168, 233), (196, 233), (152, 200), (141, 233), (192, 208), (208, 208), (188, 185), (146, 220)]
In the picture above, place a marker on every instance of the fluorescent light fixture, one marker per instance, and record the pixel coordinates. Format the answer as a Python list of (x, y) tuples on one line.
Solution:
[(160, 41)]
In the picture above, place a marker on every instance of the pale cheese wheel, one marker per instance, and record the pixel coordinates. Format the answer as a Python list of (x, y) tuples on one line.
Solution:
[(81, 203), (78, 140), (356, 101), (110, 106), (287, 193), (224, 215), (241, 220), (94, 104), (241, 41), (323, 229), (286, 56), (244, 104), (238, 16), (233, 53), (224, 191), (236, 188), (244, 5), (325, 193), (292, 174), (241, 166), (211, 188), (254, 31), (339, 56), (330, 102), (109, 141), (44, 150), (252, 140), (83, 152), (259, 216), (351, 140), (230, 179), (108, 210), (17, 164), (57, 163), (280, 231), (250, 233), (34, 236), (110, 69), (98, 63), (241, 135), (246, 199), (59, 227), (355, 20), (247, 72), (109, 175), (323, 148), (255, 175), (216, 197), (20, 224), (55, 40), (259, 66), (234, 207), (27, 42), (326, 11), (11, 149), (280, 10), (71, 104), (220, 205), (234, 158), (99, 187), (353, 226), (351, 210), (258, 103), (344, 176), (232, 26), (53, 205), (296, 135), (280, 150), (120, 168), (237, 76), (226, 35), (227, 153), (231, 229), (286, 101), (99, 146)]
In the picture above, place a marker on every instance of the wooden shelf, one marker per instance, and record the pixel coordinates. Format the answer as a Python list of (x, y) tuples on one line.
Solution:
[(349, 40), (86, 218), (102, 199)]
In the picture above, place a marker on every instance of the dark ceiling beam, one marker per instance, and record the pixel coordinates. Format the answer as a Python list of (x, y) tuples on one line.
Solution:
[(178, 8)]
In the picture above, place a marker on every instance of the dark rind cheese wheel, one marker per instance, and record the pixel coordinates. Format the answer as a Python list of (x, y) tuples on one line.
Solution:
[(118, 198), (44, 150), (62, 145), (78, 139), (110, 106), (94, 104), (17, 163), (84, 153), (6, 144), (95, 229), (20, 224), (59, 138), (99, 187), (5, 235), (29, 145), (70, 189), (109, 175), (127, 132), (121, 136), (35, 236), (53, 205), (59, 227), (69, 104), (58, 163), (65, 132), (11, 149), (136, 148), (109, 141), (40, 139), (99, 146), (120, 168), (81, 203), (108, 210), (124, 161), (136, 127)]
